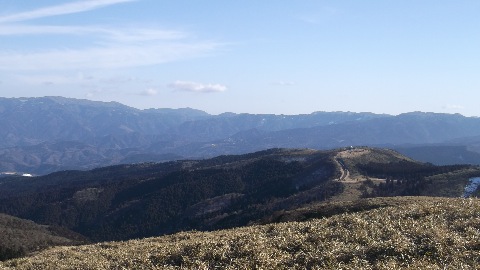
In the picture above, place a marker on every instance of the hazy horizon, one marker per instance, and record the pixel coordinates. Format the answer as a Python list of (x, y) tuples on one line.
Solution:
[(226, 112), (279, 57)]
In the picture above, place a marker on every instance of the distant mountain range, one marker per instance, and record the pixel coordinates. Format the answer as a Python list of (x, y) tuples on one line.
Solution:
[(43, 135)]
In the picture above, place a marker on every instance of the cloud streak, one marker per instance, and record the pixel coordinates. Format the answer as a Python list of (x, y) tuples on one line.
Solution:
[(150, 92), (197, 87), (124, 34), (113, 56), (105, 47), (68, 8)]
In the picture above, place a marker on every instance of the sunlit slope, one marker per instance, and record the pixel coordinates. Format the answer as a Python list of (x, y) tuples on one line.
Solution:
[(424, 233)]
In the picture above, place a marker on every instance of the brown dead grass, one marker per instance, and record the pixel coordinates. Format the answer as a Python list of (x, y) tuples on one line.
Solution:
[(351, 192), (426, 233)]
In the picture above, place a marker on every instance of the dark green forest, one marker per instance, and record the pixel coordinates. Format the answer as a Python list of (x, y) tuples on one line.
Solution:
[(403, 178), (131, 201)]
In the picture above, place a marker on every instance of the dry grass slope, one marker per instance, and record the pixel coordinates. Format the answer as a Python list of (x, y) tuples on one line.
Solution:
[(327, 209), (429, 233)]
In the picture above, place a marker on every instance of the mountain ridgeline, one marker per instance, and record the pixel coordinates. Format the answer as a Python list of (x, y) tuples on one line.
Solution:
[(43, 135)]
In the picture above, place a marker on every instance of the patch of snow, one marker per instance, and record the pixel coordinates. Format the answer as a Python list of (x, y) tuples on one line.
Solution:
[(471, 187)]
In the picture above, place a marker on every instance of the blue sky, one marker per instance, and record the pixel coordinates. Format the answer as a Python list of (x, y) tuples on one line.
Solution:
[(267, 56)]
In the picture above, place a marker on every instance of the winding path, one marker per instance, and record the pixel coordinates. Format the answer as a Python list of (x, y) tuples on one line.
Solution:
[(345, 173)]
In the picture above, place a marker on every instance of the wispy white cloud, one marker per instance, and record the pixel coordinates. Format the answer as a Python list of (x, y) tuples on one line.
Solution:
[(111, 56), (103, 47), (197, 87), (149, 92), (68, 8), (118, 34), (78, 79), (142, 34)]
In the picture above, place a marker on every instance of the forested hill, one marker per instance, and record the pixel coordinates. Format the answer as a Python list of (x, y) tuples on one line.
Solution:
[(148, 199), (128, 201)]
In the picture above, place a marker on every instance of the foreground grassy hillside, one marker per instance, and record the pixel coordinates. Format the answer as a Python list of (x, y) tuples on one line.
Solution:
[(421, 233)]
